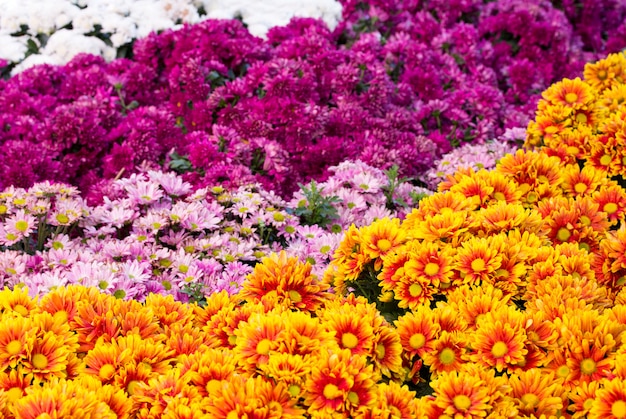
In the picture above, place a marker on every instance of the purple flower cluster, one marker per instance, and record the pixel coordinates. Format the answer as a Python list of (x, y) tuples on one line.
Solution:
[(397, 82)]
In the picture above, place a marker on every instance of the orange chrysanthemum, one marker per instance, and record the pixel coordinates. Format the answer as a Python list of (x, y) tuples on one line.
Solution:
[(430, 263), (477, 260), (498, 345), (352, 331), (570, 93), (105, 359), (461, 395), (612, 201), (382, 237), (257, 338), (16, 340), (289, 369), (473, 303), (387, 351), (448, 353), (610, 401), (17, 302), (582, 397), (418, 331), (590, 361), (536, 393)]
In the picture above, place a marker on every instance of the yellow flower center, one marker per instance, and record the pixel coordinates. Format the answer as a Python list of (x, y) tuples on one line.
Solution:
[(447, 356), (581, 118), (580, 187), (383, 245), (499, 196), (605, 160), (40, 361), (588, 366), (417, 341), (62, 218), (294, 390), (380, 351), (572, 150), (21, 225), (415, 290), (14, 394), (499, 349), (353, 397), (331, 391), (587, 404), (563, 234), (584, 220), (349, 340), (462, 402), (213, 386), (571, 97), (106, 372), (263, 347), (618, 409), (278, 217), (610, 207), (294, 296), (602, 74), (530, 400), (478, 265), (20, 309), (14, 347), (431, 269)]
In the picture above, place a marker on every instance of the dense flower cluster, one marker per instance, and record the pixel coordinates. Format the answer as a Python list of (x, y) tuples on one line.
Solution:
[(389, 84), (582, 120), (508, 284), (153, 234), (33, 33)]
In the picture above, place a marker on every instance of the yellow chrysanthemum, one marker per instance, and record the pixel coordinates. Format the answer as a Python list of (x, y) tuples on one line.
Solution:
[(382, 237), (574, 93), (477, 260), (536, 393), (418, 331), (498, 345), (256, 338), (605, 73), (448, 353), (461, 395), (610, 401)]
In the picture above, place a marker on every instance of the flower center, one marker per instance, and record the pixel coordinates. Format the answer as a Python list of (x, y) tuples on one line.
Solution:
[(530, 400), (588, 366), (14, 347), (562, 371), (584, 220), (349, 340), (294, 296), (580, 187), (263, 347), (605, 160), (21, 226), (478, 265), (417, 341), (610, 207), (294, 390), (383, 245), (331, 391), (499, 349), (431, 269), (563, 234), (40, 361), (581, 118), (20, 309), (415, 290), (571, 97), (380, 351), (106, 372), (602, 74), (447, 356), (618, 409), (462, 402), (62, 218), (353, 397)]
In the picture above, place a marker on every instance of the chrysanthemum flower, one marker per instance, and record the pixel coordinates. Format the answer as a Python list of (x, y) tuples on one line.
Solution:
[(17, 301), (604, 73), (95, 319), (581, 182), (413, 292), (590, 361), (152, 399), (434, 204), (448, 227), (430, 261), (475, 189), (461, 395), (387, 351), (477, 260), (448, 319), (14, 384), (497, 345), (340, 382), (307, 335), (610, 401), (17, 337), (536, 392), (550, 121), (394, 401), (257, 338), (105, 359), (473, 302), (448, 353), (382, 237), (185, 338), (169, 311), (418, 331), (582, 397), (352, 331), (291, 280), (570, 93)]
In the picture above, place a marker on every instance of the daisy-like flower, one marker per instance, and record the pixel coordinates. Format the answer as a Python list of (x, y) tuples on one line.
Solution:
[(340, 382), (612, 201), (387, 351), (289, 279), (590, 361), (477, 260), (105, 360), (448, 353), (17, 226), (392, 401), (17, 302), (603, 74), (418, 330), (289, 369), (143, 192), (536, 392), (352, 331), (472, 303), (610, 401), (570, 93), (16, 340), (46, 358), (461, 395), (382, 237), (582, 397), (498, 345), (431, 262), (307, 335), (257, 338)]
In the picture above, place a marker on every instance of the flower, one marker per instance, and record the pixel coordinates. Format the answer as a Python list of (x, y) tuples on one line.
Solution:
[(610, 400), (497, 345), (461, 395), (536, 392)]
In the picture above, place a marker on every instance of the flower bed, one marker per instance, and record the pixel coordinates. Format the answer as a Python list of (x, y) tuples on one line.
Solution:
[(225, 107)]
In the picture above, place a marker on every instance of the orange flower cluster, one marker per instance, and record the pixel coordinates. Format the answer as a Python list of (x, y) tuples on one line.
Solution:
[(284, 348), (508, 290), (583, 120)]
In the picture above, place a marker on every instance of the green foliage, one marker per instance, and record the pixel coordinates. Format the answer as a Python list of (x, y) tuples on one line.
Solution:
[(180, 164), (316, 208), (196, 293)]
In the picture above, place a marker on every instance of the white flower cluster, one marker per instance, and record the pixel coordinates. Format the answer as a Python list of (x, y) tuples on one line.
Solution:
[(37, 31)]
